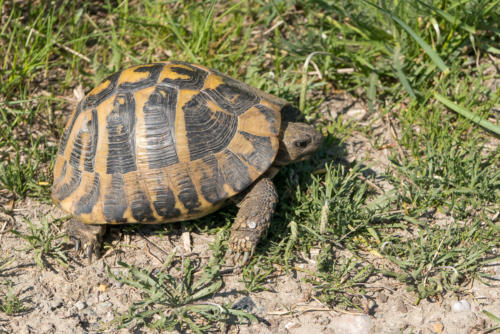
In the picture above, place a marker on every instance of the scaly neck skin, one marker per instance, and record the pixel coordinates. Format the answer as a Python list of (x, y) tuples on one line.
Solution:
[(272, 171)]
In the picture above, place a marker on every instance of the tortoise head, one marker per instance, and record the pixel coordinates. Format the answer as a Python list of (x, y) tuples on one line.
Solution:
[(298, 142)]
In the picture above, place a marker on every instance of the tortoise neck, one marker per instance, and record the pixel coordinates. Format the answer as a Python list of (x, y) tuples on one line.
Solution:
[(272, 171)]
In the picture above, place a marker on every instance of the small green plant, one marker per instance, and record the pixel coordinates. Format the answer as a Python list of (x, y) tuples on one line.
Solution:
[(255, 277), (44, 242), (173, 301), (438, 260), (340, 281), (10, 304)]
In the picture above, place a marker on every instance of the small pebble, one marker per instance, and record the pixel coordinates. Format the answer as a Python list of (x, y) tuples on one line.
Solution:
[(460, 306), (400, 306), (80, 305), (356, 114), (291, 324), (103, 297), (382, 298), (352, 324), (109, 316), (103, 307), (245, 304), (437, 327)]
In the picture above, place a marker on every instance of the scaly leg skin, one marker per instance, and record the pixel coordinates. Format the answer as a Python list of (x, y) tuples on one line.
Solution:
[(252, 220), (86, 236)]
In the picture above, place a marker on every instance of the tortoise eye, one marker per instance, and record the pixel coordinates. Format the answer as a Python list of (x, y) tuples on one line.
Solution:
[(302, 143)]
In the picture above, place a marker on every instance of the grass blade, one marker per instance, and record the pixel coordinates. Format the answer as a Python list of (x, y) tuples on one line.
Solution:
[(467, 114), (371, 94), (451, 19), (303, 87), (208, 22), (173, 27), (398, 65), (492, 316), (427, 48)]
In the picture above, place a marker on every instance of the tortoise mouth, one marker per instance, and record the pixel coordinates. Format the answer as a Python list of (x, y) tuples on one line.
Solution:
[(306, 157)]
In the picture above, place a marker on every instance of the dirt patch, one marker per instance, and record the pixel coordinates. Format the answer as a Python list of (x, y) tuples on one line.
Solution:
[(83, 298)]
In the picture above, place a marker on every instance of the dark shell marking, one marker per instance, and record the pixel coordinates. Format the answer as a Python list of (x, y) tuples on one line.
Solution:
[(120, 124), (115, 203), (208, 132), (159, 119), (163, 142), (86, 203)]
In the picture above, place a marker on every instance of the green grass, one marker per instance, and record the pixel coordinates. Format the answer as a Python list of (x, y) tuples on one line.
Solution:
[(10, 304), (423, 65), (44, 242), (172, 297)]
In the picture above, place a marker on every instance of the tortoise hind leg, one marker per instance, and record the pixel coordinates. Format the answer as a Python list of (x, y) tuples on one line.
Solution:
[(252, 220), (86, 236)]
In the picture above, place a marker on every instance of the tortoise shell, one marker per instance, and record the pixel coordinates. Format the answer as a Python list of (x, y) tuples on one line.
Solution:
[(164, 142)]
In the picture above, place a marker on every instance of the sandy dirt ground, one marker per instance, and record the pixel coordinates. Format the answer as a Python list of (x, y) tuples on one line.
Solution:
[(83, 298)]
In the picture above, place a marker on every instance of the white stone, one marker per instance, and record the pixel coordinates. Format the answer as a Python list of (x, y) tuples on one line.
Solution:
[(356, 114), (252, 224), (460, 306), (80, 305), (104, 307), (351, 324)]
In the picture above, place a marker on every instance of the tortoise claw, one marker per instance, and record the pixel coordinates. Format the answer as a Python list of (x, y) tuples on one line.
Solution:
[(89, 252), (87, 238), (246, 257), (238, 259), (97, 250), (77, 243)]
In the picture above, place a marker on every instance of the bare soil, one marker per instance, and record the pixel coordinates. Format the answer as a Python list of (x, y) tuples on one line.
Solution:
[(82, 298)]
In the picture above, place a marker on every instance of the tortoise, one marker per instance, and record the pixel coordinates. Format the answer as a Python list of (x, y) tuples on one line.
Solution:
[(174, 141)]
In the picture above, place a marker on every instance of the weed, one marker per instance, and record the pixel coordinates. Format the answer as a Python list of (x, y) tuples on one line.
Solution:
[(10, 304), (255, 278), (44, 242), (173, 301), (438, 260)]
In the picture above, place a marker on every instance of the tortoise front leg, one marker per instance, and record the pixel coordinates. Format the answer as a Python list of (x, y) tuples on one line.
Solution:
[(252, 220)]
